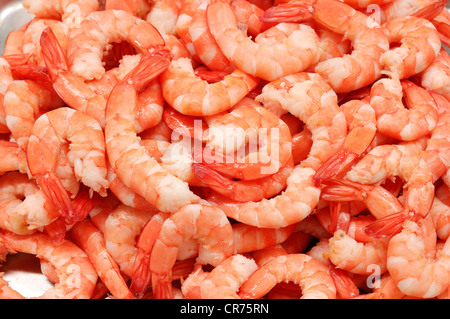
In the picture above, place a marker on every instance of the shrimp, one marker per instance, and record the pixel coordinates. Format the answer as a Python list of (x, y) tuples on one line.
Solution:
[(164, 15), (92, 242), (442, 24), (308, 97), (348, 254), (244, 190), (292, 47), (76, 275), (361, 119), (313, 277), (207, 224), (24, 102), (404, 161), (147, 178), (419, 46), (87, 42), (225, 279), (440, 213), (427, 9), (249, 238), (414, 264), (396, 121), (86, 155), (6, 77), (352, 71), (436, 77), (190, 95), (28, 215), (267, 137), (70, 11)]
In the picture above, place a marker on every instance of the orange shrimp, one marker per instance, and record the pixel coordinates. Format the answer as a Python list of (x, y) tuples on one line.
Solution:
[(413, 262), (91, 241), (352, 71), (77, 277), (436, 77), (13, 158), (6, 77), (189, 94), (48, 136), (313, 277), (209, 225), (291, 47), (419, 46), (148, 178), (393, 119)]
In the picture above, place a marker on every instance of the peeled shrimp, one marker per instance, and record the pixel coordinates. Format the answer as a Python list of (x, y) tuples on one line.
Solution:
[(77, 277), (86, 155), (436, 77), (312, 276), (207, 224)]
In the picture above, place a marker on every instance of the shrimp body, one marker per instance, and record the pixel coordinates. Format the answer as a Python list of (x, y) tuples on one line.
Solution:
[(420, 44), (146, 177), (436, 77), (207, 224), (312, 276), (413, 263), (77, 277), (86, 155), (393, 119), (291, 47), (190, 95)]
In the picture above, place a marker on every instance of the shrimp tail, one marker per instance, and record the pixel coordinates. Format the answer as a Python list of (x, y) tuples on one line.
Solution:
[(340, 190), (339, 219), (298, 11), (56, 230), (334, 167), (387, 226), (345, 286), (53, 188), (162, 286), (82, 204), (53, 54), (149, 68)]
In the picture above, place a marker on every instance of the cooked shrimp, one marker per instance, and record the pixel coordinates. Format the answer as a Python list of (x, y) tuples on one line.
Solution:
[(244, 190), (404, 161), (24, 102), (361, 120), (352, 71), (413, 263), (427, 9), (6, 78), (225, 279), (88, 41), (148, 178), (164, 14), (442, 24), (294, 204), (308, 97), (70, 11), (190, 95), (348, 254), (207, 224), (86, 155), (419, 46), (91, 241), (397, 121), (313, 277), (77, 276), (28, 215), (291, 47), (440, 213), (266, 136), (359, 4), (436, 77)]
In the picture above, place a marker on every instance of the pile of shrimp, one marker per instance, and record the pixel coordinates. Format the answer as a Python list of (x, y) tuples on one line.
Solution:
[(228, 148)]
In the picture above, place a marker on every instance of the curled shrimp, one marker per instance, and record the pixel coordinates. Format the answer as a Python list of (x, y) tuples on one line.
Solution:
[(312, 276), (190, 95), (436, 77), (361, 66), (76, 275), (92, 242), (292, 47), (427, 273), (207, 224), (86, 155), (420, 44), (148, 178), (396, 121), (13, 158)]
